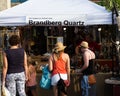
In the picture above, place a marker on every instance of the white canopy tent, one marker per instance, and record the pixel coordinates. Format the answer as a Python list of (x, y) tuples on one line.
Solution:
[(55, 12)]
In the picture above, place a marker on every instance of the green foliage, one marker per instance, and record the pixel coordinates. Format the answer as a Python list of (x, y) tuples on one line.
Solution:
[(109, 4)]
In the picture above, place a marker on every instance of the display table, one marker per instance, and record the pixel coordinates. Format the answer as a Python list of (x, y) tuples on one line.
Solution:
[(112, 87), (112, 81)]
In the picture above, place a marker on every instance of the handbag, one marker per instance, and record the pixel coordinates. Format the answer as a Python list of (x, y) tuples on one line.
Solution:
[(61, 86), (45, 81), (91, 79), (5, 91)]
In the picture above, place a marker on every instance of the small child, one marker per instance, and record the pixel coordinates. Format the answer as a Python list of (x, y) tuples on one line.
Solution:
[(31, 84)]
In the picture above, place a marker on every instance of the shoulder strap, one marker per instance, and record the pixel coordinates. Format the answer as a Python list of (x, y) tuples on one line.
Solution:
[(59, 75)]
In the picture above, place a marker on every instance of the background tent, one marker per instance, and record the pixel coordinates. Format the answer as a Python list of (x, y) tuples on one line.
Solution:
[(57, 11)]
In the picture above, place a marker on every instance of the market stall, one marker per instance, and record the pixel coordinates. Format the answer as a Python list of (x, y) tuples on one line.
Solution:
[(49, 16)]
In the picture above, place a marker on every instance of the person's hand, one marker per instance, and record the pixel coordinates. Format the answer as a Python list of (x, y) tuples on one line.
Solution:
[(67, 82), (3, 83), (77, 71), (26, 78)]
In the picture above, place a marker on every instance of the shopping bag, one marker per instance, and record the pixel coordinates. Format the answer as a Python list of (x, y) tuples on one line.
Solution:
[(45, 81), (5, 91), (91, 79)]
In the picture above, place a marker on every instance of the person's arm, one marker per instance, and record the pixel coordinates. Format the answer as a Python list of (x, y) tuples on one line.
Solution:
[(51, 63), (5, 68), (86, 61), (68, 67), (25, 65)]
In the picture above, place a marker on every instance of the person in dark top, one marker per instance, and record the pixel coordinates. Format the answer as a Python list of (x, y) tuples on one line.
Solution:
[(87, 67), (15, 67)]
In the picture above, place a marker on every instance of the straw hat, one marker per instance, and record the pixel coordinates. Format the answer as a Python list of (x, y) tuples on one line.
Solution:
[(84, 44), (59, 47)]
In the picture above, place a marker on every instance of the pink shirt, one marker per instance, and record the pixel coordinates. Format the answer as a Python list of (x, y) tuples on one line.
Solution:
[(32, 76)]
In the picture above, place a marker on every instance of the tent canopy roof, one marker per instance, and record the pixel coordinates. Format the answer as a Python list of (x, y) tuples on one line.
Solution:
[(56, 10)]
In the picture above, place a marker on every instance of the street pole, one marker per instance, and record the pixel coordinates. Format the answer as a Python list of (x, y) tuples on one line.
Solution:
[(117, 42)]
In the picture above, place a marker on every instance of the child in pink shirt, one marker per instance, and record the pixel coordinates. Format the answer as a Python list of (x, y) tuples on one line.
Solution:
[(31, 84)]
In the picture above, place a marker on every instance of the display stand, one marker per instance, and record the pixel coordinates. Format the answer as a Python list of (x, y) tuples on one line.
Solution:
[(51, 41)]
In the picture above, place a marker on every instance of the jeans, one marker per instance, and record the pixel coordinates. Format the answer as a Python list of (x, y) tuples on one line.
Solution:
[(85, 86)]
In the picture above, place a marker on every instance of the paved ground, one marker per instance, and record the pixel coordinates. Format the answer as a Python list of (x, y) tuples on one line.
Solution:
[(73, 89)]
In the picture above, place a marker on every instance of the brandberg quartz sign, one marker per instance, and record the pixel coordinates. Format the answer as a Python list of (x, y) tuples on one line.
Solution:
[(56, 23), (56, 20)]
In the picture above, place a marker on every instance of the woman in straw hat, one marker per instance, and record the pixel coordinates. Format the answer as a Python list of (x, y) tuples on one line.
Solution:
[(87, 67), (59, 63)]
